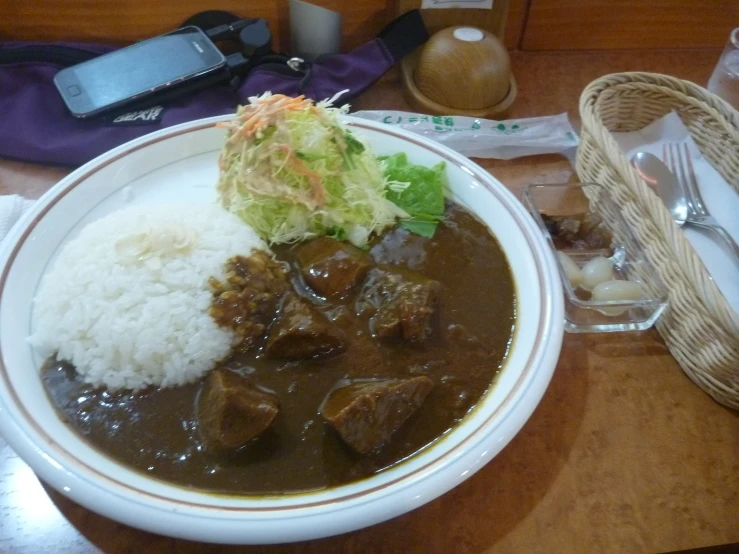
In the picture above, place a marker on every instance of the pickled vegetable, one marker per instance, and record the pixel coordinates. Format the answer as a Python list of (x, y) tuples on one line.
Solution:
[(614, 290), (596, 271), (571, 269)]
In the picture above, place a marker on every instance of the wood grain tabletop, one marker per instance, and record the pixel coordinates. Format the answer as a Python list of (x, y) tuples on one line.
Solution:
[(623, 454)]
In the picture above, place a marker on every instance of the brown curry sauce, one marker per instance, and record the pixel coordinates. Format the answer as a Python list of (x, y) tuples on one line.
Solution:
[(156, 431)]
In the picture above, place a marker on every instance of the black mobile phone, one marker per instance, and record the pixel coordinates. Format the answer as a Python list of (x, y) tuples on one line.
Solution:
[(145, 70)]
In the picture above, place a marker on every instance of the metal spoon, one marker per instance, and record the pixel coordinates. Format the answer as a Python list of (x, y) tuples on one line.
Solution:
[(656, 173)]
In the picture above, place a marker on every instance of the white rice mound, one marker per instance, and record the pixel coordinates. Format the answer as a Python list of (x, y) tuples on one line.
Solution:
[(127, 300)]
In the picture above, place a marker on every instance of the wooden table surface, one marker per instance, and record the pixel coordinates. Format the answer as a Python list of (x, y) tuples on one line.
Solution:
[(624, 453)]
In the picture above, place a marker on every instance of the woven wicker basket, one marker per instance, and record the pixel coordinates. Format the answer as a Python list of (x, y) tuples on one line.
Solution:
[(700, 328)]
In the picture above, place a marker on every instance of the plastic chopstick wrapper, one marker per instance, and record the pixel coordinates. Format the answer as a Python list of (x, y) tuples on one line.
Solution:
[(485, 138)]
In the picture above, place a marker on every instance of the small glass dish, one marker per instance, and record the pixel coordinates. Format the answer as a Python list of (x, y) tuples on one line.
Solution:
[(582, 313)]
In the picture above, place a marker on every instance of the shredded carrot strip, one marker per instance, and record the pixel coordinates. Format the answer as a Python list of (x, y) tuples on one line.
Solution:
[(319, 193), (259, 115), (286, 193)]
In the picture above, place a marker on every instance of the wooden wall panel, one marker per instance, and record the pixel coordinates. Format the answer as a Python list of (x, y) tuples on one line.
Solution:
[(550, 25), (361, 19), (509, 14), (621, 24), (492, 20), (514, 24), (125, 21)]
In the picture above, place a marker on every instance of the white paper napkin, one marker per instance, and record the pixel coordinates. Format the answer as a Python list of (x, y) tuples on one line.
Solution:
[(719, 197), (12, 207)]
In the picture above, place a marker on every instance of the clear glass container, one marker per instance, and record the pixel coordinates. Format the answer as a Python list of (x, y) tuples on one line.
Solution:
[(582, 313)]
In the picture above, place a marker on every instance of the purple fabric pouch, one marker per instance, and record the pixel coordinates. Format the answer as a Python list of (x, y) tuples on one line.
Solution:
[(36, 126)]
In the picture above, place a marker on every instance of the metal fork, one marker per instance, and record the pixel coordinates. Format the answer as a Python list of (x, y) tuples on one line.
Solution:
[(677, 158)]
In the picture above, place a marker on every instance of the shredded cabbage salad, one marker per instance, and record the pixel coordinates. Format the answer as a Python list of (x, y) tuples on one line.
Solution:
[(292, 171)]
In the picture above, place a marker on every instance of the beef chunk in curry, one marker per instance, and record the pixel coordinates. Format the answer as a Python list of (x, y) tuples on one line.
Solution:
[(302, 332), (247, 300), (403, 302), (367, 413), (332, 268), (232, 412)]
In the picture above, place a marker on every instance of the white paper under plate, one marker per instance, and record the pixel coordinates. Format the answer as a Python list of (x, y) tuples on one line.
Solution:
[(720, 199)]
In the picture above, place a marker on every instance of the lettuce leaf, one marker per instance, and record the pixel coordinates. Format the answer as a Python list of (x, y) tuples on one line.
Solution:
[(418, 190), (420, 227)]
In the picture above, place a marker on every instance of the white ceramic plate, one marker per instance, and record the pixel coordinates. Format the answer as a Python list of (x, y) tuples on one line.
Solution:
[(180, 165)]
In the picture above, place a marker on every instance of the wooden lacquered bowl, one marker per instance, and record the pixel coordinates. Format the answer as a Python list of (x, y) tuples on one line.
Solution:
[(461, 70)]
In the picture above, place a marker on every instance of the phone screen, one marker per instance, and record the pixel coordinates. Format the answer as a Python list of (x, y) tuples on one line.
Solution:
[(143, 67)]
